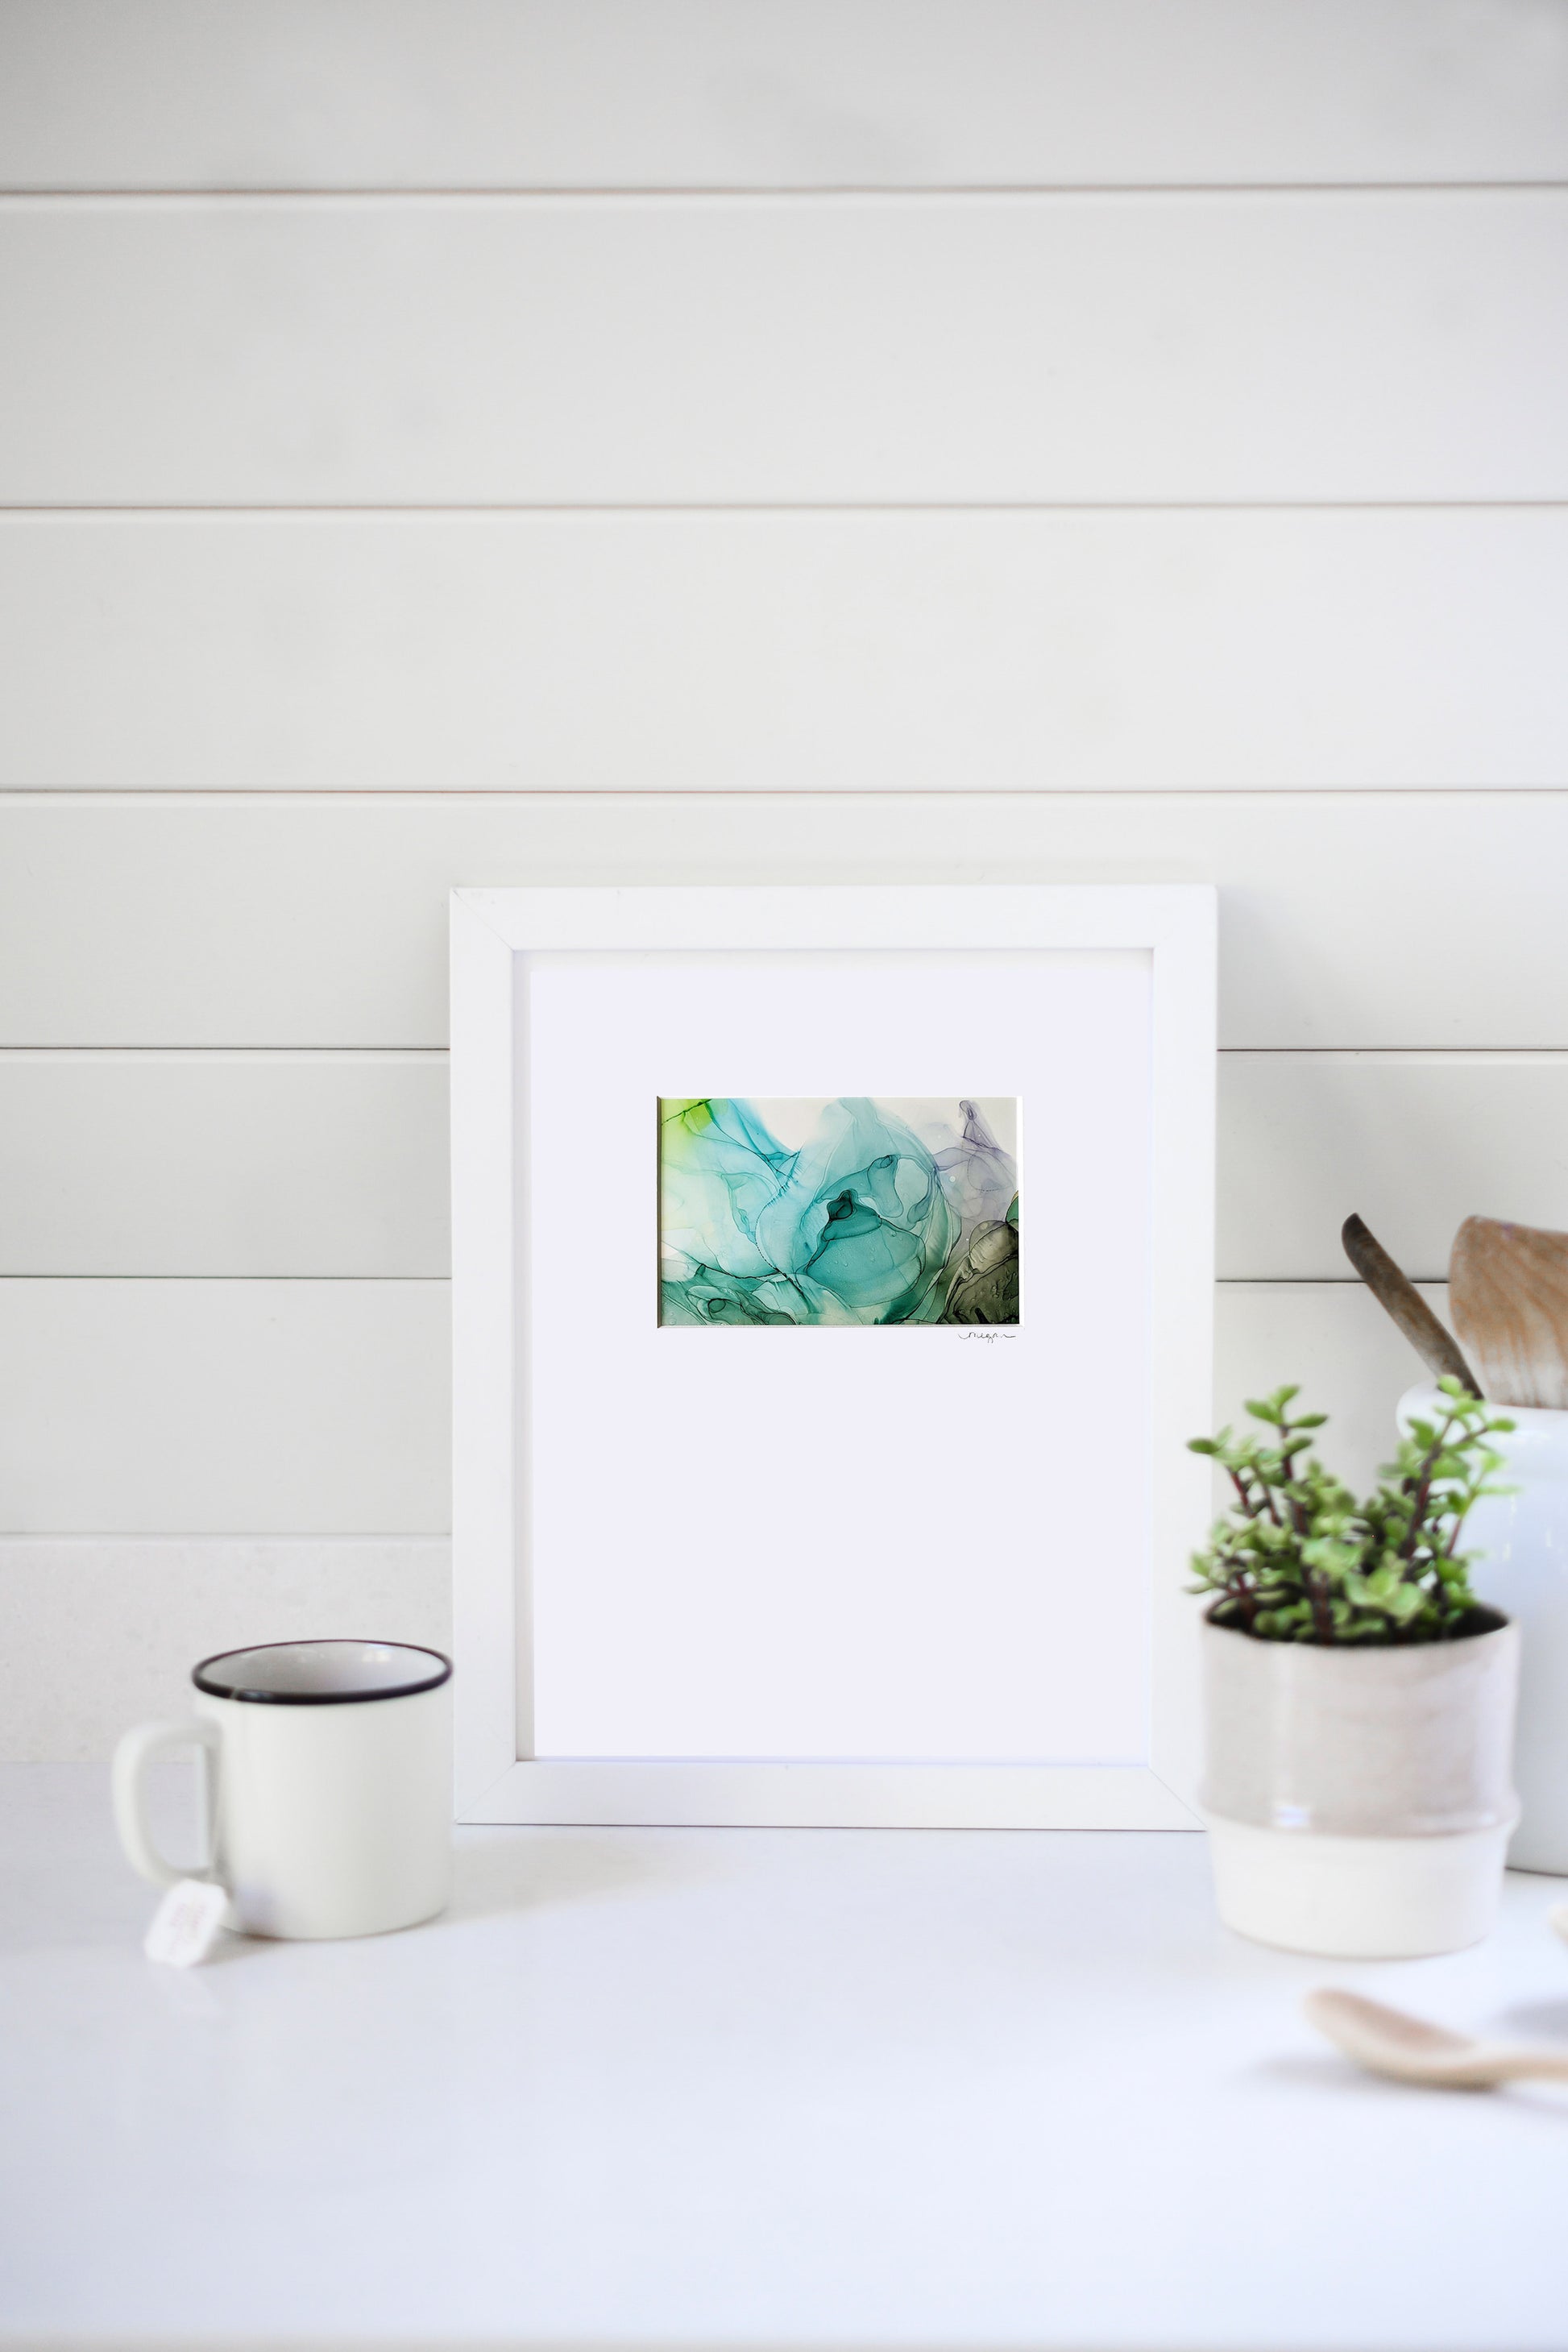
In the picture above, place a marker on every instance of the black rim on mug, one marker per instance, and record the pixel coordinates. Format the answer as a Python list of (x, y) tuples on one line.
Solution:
[(208, 1675)]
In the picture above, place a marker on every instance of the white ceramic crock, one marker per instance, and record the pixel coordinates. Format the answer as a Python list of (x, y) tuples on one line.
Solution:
[(327, 1778), (1518, 1548), (1359, 1802)]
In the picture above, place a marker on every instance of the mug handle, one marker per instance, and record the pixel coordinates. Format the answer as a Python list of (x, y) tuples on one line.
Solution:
[(128, 1783)]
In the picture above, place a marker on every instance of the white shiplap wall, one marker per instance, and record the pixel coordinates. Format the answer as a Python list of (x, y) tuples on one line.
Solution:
[(485, 440)]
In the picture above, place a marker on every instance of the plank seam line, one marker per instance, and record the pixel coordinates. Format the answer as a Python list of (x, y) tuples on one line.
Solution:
[(283, 508), (433, 1057), (1314, 1281), (443, 1281), (756, 192), (1459, 1057), (275, 1056), (1522, 1055), (281, 1055), (10, 1537), (226, 1536), (423, 796), (428, 796)]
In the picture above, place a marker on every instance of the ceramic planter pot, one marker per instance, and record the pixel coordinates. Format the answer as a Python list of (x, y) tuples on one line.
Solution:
[(1518, 1548), (1359, 1802)]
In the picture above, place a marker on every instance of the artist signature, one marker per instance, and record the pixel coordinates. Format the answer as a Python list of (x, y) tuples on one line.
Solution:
[(990, 1337)]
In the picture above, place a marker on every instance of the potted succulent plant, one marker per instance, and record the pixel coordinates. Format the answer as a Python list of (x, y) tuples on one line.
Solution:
[(1358, 1698)]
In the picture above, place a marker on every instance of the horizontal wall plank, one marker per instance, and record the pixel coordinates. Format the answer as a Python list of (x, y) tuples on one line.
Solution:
[(335, 1164), (754, 351), (1347, 919), (98, 1632), (257, 1408), (1336, 1342), (201, 1164), (1413, 1143), (795, 94), (730, 652), (194, 1408)]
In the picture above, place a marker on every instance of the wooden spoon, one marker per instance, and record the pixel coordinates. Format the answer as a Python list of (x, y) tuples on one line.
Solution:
[(1508, 1293), (1394, 1291), (1392, 2042)]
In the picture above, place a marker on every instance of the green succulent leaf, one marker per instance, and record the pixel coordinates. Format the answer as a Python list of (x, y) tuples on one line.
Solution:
[(1296, 1557)]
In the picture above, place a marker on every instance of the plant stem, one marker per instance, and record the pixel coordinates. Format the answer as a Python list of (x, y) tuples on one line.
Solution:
[(1424, 1489), (1322, 1616)]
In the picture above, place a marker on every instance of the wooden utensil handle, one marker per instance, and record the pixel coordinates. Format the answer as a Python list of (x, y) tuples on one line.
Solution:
[(1506, 2066), (1398, 1296)]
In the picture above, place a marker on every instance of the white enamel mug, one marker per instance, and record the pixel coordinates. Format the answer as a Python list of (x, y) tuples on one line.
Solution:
[(328, 1778)]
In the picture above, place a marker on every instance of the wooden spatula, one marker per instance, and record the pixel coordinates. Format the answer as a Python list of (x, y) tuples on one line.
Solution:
[(1508, 1293), (1393, 1290)]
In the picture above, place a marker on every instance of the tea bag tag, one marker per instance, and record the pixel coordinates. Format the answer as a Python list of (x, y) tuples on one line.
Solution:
[(185, 1924)]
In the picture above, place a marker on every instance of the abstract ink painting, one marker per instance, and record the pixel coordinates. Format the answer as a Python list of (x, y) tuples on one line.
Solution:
[(839, 1210)]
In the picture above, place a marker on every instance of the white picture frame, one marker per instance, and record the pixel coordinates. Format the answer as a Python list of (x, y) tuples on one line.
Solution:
[(498, 938)]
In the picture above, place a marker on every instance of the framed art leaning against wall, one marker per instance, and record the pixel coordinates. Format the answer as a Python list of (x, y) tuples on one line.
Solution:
[(832, 1301)]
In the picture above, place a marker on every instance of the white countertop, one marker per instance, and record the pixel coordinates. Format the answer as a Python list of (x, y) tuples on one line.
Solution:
[(780, 2088)]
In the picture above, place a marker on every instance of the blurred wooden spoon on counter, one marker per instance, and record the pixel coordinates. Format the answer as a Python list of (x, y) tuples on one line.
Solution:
[(1391, 2041)]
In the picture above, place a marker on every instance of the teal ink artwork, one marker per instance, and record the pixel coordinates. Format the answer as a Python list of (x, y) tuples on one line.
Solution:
[(839, 1210)]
